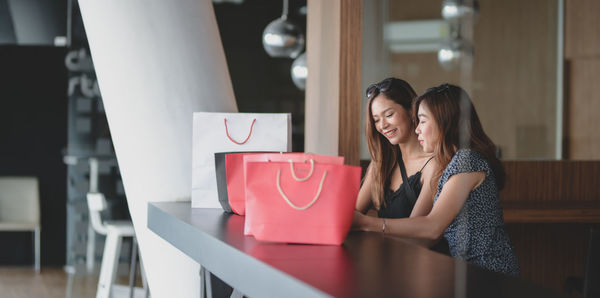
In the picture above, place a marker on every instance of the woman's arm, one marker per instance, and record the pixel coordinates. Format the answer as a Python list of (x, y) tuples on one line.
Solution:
[(425, 200), (432, 226), (363, 201)]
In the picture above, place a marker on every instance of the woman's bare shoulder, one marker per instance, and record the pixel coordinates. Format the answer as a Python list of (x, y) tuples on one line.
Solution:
[(431, 165)]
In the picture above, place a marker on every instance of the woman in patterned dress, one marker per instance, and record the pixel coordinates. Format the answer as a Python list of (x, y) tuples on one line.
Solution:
[(466, 209)]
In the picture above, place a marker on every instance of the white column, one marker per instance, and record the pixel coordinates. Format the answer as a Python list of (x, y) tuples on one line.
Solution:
[(323, 81), (157, 62)]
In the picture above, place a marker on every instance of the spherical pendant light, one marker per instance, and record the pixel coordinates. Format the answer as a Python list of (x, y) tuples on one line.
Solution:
[(460, 15), (282, 38), (300, 71), (459, 9), (452, 53)]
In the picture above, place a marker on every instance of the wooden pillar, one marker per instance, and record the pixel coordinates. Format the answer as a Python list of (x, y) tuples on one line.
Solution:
[(350, 80)]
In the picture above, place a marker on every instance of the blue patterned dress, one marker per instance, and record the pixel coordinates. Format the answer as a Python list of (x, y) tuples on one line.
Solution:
[(477, 234)]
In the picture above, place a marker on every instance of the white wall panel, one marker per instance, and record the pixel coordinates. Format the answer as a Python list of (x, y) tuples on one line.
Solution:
[(157, 62)]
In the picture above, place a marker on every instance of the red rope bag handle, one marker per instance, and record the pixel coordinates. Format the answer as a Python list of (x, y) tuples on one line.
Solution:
[(231, 139)]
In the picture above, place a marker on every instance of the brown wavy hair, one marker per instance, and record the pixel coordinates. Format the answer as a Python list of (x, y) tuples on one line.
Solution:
[(458, 124), (384, 155)]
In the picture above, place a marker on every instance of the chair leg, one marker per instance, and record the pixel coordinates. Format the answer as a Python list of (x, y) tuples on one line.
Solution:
[(110, 261), (143, 273), (91, 249), (202, 282), (69, 287), (132, 267), (36, 256), (208, 283)]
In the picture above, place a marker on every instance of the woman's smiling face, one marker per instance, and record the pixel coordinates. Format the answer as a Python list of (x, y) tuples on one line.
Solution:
[(391, 120), (427, 129)]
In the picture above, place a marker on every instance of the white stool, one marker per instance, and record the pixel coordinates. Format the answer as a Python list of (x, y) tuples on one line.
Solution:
[(114, 231)]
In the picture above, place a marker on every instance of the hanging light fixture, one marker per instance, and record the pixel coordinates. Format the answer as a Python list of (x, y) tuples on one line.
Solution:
[(459, 9), (452, 53), (458, 13), (282, 38), (300, 71)]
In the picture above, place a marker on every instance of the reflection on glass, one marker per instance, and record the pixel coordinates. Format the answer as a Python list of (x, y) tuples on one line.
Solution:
[(513, 78), (456, 9), (453, 52)]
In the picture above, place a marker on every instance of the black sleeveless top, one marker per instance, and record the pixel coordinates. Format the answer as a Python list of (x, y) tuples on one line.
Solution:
[(399, 204)]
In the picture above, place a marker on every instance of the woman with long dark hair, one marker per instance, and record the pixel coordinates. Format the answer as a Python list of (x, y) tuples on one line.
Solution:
[(397, 182), (466, 209)]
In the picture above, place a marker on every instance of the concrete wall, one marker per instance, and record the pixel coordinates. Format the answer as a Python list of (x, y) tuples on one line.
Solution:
[(157, 62)]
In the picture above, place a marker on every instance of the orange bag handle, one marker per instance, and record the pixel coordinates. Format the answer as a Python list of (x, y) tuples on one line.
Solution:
[(231, 139), (287, 200)]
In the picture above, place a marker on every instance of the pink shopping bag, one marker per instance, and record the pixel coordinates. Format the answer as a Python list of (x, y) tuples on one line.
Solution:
[(310, 203), (234, 172), (296, 157)]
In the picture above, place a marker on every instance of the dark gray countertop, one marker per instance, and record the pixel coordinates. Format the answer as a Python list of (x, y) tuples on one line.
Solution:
[(366, 265)]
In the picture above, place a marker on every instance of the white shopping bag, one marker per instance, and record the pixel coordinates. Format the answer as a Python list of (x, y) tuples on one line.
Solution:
[(227, 132)]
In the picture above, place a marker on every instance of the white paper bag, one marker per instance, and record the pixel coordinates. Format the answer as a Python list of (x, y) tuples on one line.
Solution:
[(227, 132)]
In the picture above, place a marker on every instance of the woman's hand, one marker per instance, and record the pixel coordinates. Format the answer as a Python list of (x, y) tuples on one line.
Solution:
[(366, 223)]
